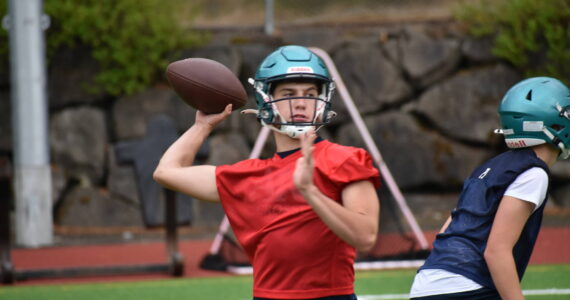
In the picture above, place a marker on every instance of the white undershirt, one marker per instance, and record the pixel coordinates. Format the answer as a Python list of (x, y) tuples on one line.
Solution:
[(530, 186)]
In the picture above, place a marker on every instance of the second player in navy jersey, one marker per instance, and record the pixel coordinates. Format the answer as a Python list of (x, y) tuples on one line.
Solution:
[(484, 248)]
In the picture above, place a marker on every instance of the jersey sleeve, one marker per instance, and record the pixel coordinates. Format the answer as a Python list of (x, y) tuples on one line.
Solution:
[(356, 167), (531, 186)]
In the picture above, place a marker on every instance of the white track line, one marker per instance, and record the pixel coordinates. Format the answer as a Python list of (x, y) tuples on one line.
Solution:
[(383, 297), (547, 292), (405, 296)]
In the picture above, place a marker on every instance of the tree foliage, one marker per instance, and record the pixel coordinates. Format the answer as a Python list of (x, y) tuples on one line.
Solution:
[(533, 35), (132, 40)]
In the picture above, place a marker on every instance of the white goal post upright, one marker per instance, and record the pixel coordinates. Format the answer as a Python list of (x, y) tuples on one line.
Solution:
[(365, 134)]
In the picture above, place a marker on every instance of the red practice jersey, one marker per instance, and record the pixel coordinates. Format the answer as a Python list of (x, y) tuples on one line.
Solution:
[(293, 253)]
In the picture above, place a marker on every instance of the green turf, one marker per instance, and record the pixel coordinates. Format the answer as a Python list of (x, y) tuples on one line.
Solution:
[(547, 276), (239, 287), (399, 281), (384, 282)]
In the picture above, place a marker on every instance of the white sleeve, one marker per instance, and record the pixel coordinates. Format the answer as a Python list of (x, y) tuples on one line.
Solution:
[(531, 186)]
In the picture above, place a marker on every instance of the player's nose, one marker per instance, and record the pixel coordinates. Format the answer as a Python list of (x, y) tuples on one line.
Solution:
[(300, 103)]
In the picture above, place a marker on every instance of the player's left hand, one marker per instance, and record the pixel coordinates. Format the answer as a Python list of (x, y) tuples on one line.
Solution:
[(303, 175)]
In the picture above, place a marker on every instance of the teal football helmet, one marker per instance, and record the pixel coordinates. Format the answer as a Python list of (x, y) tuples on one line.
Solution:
[(294, 64), (536, 111)]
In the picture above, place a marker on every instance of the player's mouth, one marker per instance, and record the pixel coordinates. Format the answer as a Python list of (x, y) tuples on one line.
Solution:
[(300, 118)]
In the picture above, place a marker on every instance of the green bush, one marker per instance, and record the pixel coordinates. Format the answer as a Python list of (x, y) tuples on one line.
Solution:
[(132, 40), (533, 35)]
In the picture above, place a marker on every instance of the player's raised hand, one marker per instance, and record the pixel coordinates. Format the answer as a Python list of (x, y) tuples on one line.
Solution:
[(303, 175), (212, 120)]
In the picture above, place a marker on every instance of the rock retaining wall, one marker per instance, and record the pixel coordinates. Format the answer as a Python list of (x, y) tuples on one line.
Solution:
[(427, 93)]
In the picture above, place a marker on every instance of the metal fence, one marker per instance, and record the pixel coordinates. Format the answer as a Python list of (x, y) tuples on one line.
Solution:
[(272, 14)]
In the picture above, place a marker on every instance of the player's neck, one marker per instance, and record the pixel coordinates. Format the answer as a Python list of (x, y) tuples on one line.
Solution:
[(285, 143), (547, 153)]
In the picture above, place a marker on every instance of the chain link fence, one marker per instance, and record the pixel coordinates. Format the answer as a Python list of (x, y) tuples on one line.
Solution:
[(229, 13)]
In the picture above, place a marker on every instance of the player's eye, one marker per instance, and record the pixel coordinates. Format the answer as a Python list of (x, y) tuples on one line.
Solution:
[(283, 94)]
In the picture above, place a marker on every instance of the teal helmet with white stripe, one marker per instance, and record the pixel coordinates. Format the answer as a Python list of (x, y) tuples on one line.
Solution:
[(536, 111), (294, 64)]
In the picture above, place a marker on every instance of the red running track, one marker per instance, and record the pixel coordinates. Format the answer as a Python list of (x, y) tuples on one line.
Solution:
[(553, 247)]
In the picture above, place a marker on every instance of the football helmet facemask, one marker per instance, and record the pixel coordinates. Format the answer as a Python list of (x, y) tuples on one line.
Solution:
[(292, 64)]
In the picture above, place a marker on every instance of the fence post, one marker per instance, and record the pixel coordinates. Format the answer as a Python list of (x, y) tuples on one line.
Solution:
[(269, 17), (32, 173)]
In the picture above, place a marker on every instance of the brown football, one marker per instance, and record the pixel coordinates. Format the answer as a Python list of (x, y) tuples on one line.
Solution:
[(206, 84)]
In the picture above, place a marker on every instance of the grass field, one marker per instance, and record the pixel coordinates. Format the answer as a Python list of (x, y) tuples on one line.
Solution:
[(540, 282)]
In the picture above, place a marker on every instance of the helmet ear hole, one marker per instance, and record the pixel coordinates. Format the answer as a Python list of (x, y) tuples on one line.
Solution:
[(529, 96), (557, 127)]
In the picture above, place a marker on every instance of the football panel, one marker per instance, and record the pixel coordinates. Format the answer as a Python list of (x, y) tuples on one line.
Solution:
[(203, 98), (206, 84), (210, 73)]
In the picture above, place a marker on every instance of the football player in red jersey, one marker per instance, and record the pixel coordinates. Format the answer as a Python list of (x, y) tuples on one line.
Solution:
[(302, 214)]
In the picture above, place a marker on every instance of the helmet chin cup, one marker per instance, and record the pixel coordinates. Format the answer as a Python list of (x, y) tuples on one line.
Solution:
[(295, 131)]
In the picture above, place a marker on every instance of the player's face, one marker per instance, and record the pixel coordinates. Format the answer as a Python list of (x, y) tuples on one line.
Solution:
[(296, 110)]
